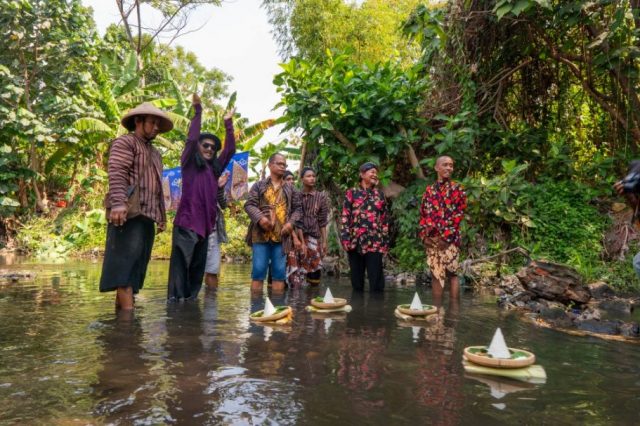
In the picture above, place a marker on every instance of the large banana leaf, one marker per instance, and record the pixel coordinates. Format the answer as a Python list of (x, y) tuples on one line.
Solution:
[(92, 125), (232, 101), (164, 142), (256, 128), (182, 108), (164, 103), (179, 121), (57, 156), (249, 144)]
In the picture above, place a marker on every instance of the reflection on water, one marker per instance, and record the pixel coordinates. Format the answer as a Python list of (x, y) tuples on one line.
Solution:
[(67, 358)]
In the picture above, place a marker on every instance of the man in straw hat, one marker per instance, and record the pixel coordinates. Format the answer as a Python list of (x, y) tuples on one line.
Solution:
[(134, 202), (442, 210), (365, 230)]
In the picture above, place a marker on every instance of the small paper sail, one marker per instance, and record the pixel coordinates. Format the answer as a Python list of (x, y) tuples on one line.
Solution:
[(269, 309), (328, 297), (416, 333), (498, 347), (268, 331), (416, 304), (327, 324)]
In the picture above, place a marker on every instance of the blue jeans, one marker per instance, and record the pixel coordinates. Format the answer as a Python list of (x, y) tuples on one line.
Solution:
[(265, 253), (636, 263)]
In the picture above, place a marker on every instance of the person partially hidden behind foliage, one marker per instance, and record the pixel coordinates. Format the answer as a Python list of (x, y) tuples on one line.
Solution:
[(273, 207), (134, 203), (196, 216), (441, 211), (630, 188), (365, 230)]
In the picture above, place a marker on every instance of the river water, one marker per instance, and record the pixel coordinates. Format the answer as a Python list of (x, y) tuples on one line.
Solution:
[(66, 358)]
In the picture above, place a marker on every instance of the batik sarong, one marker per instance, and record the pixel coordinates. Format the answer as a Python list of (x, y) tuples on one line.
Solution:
[(442, 261), (300, 265)]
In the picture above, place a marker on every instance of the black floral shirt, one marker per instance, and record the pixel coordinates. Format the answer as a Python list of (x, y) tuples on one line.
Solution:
[(365, 221)]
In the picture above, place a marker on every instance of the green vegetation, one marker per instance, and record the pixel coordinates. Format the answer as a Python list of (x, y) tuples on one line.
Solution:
[(536, 101)]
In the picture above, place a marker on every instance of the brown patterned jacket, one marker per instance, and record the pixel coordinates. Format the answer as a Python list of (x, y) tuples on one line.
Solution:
[(128, 165), (254, 206)]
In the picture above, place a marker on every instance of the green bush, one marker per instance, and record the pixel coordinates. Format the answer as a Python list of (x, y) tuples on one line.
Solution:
[(568, 227), (407, 249)]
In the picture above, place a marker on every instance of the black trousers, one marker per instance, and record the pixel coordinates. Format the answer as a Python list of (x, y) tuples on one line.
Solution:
[(186, 267), (372, 263)]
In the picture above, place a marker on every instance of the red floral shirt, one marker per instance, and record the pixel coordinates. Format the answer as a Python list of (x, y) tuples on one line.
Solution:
[(365, 221), (442, 210)]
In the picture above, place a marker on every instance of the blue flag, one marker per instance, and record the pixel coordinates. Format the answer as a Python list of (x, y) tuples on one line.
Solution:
[(236, 189)]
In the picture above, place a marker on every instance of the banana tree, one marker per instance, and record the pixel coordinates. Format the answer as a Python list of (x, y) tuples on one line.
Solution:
[(288, 147)]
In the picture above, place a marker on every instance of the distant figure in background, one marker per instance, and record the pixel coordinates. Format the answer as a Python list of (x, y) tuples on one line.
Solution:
[(217, 237), (289, 177), (365, 230), (305, 263), (442, 210), (134, 202), (197, 212), (630, 188), (273, 206)]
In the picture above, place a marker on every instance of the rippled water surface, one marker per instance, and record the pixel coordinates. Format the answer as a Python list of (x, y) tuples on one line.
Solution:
[(67, 358)]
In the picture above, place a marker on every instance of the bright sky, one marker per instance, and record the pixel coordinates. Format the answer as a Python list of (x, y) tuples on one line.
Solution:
[(235, 38)]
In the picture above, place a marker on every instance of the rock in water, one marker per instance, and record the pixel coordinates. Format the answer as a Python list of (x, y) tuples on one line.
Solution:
[(600, 290), (498, 347), (616, 306), (552, 281), (602, 327)]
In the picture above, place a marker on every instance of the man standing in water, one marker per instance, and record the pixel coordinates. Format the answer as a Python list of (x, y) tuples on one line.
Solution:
[(196, 216), (273, 206), (365, 230), (306, 263), (442, 210), (134, 203)]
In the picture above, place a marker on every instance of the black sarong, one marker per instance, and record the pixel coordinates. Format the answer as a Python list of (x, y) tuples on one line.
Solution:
[(127, 254), (186, 267)]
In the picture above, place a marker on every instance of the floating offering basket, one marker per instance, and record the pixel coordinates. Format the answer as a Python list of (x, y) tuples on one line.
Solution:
[(270, 313), (328, 304), (417, 308), (480, 355), (426, 310), (498, 355), (281, 312), (319, 303)]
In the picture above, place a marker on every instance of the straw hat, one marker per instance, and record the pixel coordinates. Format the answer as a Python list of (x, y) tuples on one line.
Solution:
[(128, 121)]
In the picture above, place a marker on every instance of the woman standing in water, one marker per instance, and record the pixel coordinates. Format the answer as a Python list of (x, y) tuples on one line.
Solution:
[(365, 229)]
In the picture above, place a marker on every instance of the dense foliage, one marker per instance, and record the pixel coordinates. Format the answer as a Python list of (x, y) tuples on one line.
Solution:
[(535, 101)]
